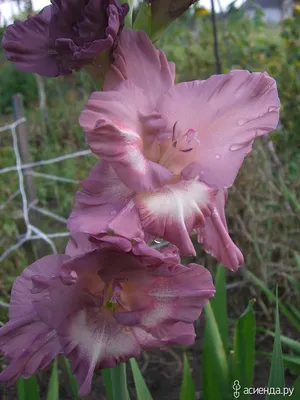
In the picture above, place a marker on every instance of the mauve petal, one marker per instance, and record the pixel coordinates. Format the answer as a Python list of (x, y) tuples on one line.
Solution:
[(114, 132), (175, 334), (27, 44), (215, 237), (228, 112), (95, 20), (136, 59), (70, 296), (90, 50), (102, 203), (128, 224), (174, 211), (65, 15), (167, 299), (79, 243), (123, 243), (29, 344), (95, 340), (21, 296)]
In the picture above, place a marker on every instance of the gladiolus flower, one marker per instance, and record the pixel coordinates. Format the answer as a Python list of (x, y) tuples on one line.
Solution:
[(64, 36), (168, 152), (99, 309)]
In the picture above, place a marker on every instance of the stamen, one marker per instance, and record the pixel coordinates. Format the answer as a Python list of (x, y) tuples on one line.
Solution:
[(174, 127), (190, 137)]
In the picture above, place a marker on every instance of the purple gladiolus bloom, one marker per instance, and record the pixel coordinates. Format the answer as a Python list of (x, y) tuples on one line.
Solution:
[(100, 308), (64, 36), (168, 152)]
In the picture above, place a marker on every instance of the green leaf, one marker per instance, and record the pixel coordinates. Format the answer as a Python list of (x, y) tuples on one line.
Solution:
[(53, 388), (143, 19), (276, 378), (296, 390), (187, 391), (141, 388), (290, 361), (289, 195), (72, 380), (284, 310), (108, 383), (219, 305), (291, 343), (28, 389), (295, 311), (244, 348), (119, 382), (214, 362), (297, 257)]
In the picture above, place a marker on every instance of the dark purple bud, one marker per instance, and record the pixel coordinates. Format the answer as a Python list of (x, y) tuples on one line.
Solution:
[(65, 36)]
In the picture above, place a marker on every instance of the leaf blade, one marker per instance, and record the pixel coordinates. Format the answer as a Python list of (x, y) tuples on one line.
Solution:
[(214, 359), (219, 305), (141, 387), (276, 378), (187, 391), (53, 387), (244, 347), (72, 380), (28, 389)]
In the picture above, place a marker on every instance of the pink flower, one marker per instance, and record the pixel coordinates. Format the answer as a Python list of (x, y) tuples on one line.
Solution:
[(168, 152), (100, 308)]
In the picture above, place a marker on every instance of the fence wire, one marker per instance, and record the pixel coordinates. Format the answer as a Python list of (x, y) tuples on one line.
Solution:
[(32, 232)]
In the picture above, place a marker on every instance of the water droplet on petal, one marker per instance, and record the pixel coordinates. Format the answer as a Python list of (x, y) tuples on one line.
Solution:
[(218, 156), (158, 240), (242, 121), (236, 146), (272, 109), (113, 213)]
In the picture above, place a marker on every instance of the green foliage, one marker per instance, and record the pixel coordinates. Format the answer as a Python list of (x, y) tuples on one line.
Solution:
[(188, 391), (219, 305), (277, 369), (119, 382), (142, 391), (287, 311), (72, 380), (244, 348), (53, 388), (14, 81), (214, 359), (28, 389), (106, 376)]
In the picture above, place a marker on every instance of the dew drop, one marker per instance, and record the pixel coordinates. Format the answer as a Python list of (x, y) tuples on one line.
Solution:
[(113, 213), (242, 121), (272, 109), (236, 146), (218, 156), (158, 240)]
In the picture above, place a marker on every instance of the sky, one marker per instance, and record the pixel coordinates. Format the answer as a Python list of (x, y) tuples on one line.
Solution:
[(9, 8)]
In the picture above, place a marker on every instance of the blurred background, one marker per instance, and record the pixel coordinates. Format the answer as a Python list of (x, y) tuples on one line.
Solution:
[(263, 209)]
